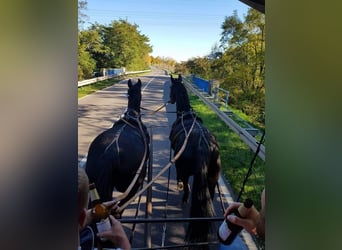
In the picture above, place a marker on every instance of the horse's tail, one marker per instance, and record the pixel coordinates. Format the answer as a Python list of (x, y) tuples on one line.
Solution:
[(201, 203)]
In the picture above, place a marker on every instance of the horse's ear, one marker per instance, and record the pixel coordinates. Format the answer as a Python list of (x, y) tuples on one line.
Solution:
[(129, 83), (139, 83)]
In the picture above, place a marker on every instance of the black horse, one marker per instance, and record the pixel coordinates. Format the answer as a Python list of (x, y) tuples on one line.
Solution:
[(200, 158), (116, 154)]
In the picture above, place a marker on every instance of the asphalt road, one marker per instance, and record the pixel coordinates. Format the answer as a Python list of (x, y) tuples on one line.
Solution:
[(98, 111)]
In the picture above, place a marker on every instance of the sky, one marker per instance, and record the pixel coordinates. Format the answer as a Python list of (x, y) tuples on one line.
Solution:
[(179, 29)]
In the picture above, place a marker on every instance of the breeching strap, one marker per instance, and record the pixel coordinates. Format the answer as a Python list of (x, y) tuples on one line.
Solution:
[(124, 195)]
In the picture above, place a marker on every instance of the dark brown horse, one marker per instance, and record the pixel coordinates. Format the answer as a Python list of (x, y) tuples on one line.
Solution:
[(116, 154), (200, 159)]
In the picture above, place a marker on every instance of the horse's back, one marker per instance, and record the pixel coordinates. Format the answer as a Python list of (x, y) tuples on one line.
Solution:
[(127, 142)]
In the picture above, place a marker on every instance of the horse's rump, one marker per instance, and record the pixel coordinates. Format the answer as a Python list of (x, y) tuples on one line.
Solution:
[(182, 126), (114, 157)]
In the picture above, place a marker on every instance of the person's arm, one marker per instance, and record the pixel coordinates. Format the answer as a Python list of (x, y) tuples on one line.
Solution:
[(116, 235)]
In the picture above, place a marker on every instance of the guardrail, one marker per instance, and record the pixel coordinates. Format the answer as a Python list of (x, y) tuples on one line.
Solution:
[(202, 84), (102, 78), (95, 79), (225, 100), (251, 142)]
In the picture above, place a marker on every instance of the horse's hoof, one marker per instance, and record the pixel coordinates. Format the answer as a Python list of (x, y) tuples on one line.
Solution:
[(180, 185)]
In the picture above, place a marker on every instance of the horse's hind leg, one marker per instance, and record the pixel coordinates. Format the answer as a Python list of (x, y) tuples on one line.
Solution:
[(186, 193), (213, 174), (180, 183)]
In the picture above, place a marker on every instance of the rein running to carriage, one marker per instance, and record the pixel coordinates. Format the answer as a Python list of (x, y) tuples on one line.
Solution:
[(110, 162), (171, 161), (137, 120), (155, 111), (167, 166), (180, 118)]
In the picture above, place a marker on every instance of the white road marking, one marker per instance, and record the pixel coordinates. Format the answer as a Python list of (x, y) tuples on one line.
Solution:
[(142, 92)]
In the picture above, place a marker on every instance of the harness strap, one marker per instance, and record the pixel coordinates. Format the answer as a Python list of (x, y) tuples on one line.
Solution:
[(155, 111), (172, 161), (128, 190), (115, 139), (201, 128)]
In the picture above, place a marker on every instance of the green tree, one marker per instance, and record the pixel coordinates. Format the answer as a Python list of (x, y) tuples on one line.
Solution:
[(86, 64), (129, 47), (238, 63), (115, 46), (244, 62), (97, 47), (166, 63), (234, 33), (199, 66)]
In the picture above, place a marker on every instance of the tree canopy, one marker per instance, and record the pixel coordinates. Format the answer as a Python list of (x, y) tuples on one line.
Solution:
[(118, 45), (238, 63)]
